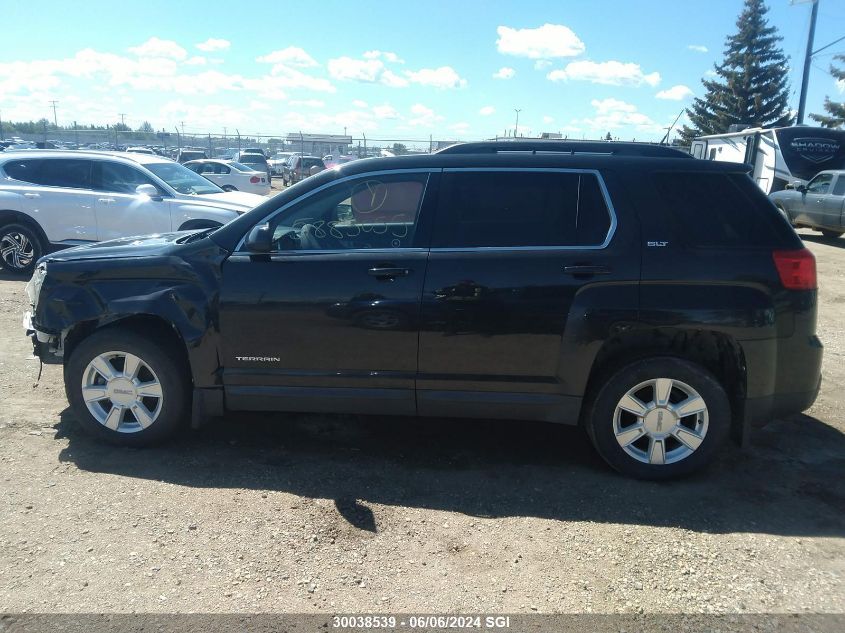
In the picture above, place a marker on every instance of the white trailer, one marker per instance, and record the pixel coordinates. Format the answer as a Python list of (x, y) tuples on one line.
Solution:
[(777, 155)]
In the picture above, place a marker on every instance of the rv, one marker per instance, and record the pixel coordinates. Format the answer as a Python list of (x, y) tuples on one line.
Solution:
[(778, 156)]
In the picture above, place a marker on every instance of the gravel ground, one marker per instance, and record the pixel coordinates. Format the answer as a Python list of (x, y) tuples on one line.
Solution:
[(296, 513)]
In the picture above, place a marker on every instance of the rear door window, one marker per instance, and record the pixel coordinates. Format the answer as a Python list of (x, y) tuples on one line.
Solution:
[(23, 170), (515, 209), (52, 172)]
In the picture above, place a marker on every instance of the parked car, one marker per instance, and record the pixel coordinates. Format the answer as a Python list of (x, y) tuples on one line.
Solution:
[(232, 176), (819, 205), (332, 161), (139, 150), (277, 162), (185, 155), (255, 161), (658, 301), (51, 199), (300, 167), (254, 150)]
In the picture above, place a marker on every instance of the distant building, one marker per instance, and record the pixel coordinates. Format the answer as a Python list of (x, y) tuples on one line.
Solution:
[(318, 144), (436, 145)]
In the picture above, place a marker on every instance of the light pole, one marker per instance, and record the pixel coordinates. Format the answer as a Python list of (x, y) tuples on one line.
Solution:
[(516, 127)]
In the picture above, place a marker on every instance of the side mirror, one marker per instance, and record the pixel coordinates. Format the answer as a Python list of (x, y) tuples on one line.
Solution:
[(151, 191), (801, 188), (260, 239), (788, 186)]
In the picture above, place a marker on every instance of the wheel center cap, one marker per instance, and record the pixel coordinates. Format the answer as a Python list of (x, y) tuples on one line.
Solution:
[(121, 392), (659, 422)]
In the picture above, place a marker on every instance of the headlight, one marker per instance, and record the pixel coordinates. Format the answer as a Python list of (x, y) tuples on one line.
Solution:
[(33, 288)]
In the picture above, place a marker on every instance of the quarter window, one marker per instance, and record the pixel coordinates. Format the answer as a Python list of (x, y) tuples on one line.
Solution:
[(52, 172), (365, 213), (507, 209)]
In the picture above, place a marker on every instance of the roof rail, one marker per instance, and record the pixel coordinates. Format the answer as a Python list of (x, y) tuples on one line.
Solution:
[(607, 148)]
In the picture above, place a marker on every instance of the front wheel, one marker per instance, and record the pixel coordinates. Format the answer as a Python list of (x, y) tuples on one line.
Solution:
[(127, 390), (20, 248), (831, 234), (659, 418)]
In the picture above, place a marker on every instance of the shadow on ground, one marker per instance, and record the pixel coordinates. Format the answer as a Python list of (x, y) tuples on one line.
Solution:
[(838, 242), (788, 482)]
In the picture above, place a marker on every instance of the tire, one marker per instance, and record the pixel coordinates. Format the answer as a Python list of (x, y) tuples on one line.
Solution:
[(784, 214), (831, 234), (703, 433), (228, 188), (20, 248), (162, 415)]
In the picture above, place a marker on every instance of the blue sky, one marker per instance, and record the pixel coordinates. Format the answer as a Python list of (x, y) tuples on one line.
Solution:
[(390, 70)]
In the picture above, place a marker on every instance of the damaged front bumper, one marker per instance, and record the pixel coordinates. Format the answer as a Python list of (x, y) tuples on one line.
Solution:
[(47, 347)]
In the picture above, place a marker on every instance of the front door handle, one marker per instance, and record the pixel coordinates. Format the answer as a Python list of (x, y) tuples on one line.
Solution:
[(32, 195), (584, 269), (388, 272), (105, 200)]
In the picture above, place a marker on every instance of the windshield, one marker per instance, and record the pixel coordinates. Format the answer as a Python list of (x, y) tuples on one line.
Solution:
[(183, 179)]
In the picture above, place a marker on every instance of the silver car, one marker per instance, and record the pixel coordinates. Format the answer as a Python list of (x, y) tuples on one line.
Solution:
[(819, 205)]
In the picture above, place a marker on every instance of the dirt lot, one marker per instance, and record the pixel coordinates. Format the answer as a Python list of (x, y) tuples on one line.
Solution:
[(311, 513)]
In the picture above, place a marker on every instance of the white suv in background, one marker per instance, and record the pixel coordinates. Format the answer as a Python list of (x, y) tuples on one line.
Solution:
[(55, 199)]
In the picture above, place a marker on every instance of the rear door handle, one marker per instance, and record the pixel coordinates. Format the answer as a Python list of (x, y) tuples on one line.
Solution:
[(105, 200), (32, 195), (388, 272), (586, 270)]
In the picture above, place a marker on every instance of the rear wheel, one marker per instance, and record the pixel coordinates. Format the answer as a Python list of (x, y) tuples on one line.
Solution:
[(831, 234), (125, 389), (659, 418), (20, 248)]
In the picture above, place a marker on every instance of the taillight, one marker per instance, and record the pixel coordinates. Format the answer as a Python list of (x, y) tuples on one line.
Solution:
[(255, 179), (797, 269)]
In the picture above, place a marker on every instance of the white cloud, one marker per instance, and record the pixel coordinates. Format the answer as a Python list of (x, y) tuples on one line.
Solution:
[(486, 110), (346, 69), (698, 48), (612, 114), (196, 60), (504, 73), (213, 44), (290, 56), (287, 77), (391, 79), (424, 116), (548, 119), (308, 103), (155, 47), (443, 77), (711, 73), (612, 105), (542, 64), (549, 40), (840, 85), (358, 103), (385, 55), (675, 93), (385, 111), (610, 73)]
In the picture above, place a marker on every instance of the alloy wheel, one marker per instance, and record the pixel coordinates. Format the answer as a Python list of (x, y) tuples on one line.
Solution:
[(122, 392), (660, 421), (16, 250)]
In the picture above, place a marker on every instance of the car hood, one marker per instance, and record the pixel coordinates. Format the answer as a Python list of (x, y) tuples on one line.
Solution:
[(229, 200), (141, 246)]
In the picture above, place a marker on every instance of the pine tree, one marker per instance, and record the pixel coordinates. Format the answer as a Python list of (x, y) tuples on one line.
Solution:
[(835, 110), (751, 84)]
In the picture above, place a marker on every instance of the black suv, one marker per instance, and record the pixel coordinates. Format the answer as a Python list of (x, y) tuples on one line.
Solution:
[(659, 301)]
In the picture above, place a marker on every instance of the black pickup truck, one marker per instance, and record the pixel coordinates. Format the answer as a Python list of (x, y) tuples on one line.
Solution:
[(659, 301)]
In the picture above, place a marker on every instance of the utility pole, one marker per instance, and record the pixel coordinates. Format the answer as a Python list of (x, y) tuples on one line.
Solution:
[(122, 115), (1, 126), (516, 127), (55, 120), (808, 57)]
